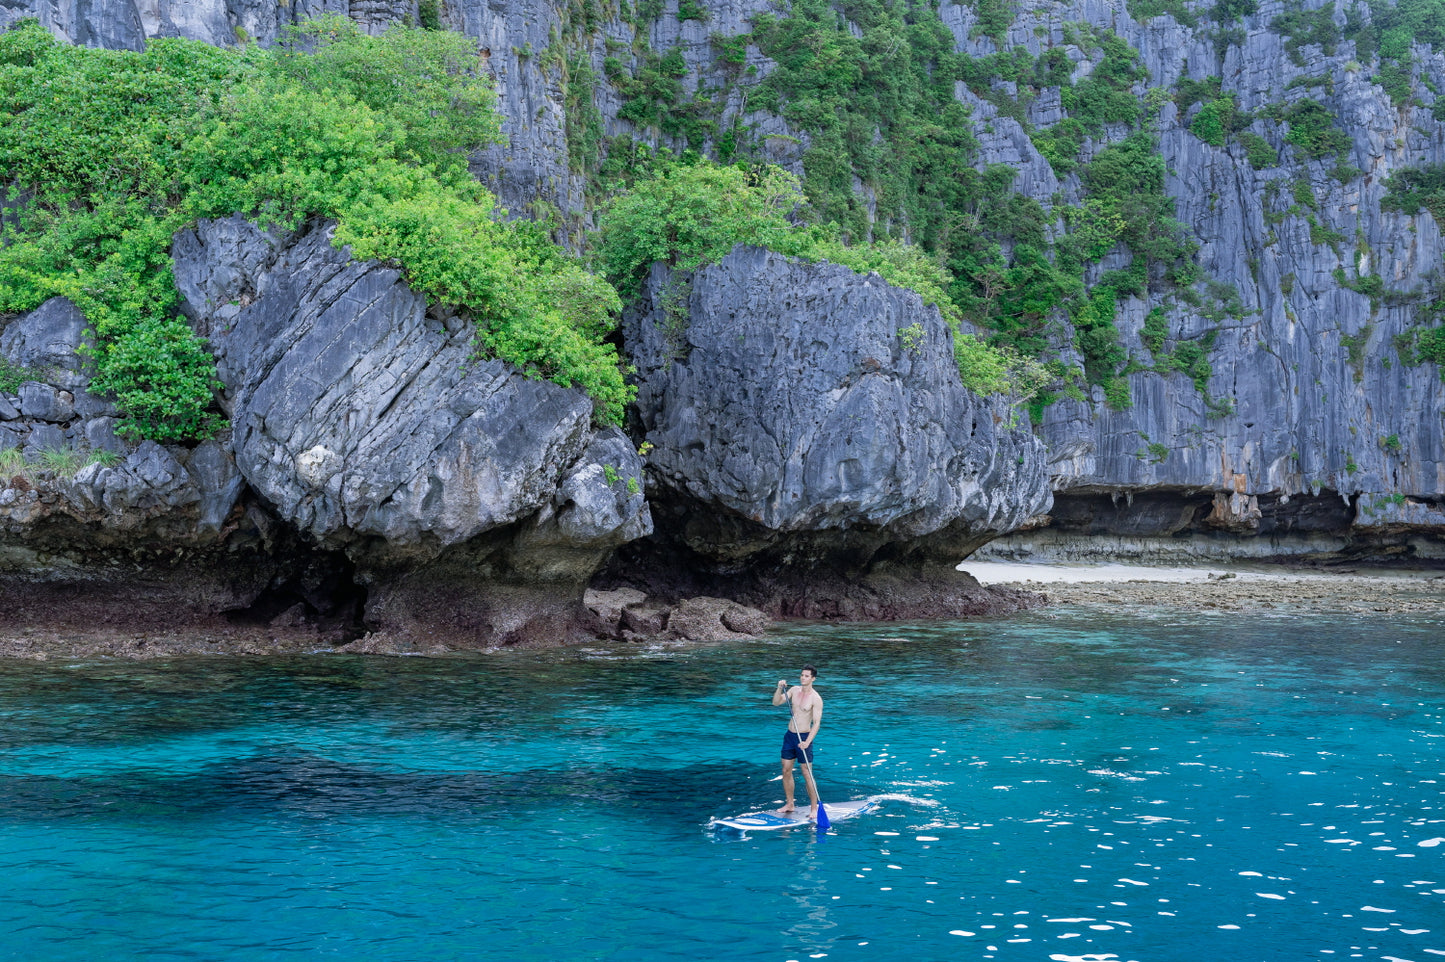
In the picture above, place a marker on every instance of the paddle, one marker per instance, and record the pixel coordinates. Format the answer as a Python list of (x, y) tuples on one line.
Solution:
[(823, 823)]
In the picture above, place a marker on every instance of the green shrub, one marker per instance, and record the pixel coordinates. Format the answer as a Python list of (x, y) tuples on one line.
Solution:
[(994, 18), (1216, 121), (1259, 151), (1155, 330), (12, 376), (1415, 188), (1146, 9), (1106, 95), (688, 216), (1188, 92), (1303, 28), (1312, 129), (1430, 346), (1228, 11)]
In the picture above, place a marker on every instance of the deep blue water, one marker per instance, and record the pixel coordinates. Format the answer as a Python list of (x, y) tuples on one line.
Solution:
[(1065, 786)]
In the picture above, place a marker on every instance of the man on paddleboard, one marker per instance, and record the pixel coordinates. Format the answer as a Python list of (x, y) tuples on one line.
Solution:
[(807, 717)]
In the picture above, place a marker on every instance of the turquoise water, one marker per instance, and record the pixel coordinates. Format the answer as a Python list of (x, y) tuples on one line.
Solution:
[(1066, 786)]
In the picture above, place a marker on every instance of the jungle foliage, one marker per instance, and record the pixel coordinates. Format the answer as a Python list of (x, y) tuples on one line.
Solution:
[(872, 83), (108, 153)]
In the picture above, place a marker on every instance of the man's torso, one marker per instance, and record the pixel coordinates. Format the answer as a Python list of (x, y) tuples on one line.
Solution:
[(805, 704)]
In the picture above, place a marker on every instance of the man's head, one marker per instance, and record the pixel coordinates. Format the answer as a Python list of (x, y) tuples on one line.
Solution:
[(808, 675)]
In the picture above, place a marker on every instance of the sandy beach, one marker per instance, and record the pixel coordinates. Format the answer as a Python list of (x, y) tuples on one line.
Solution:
[(1223, 587)]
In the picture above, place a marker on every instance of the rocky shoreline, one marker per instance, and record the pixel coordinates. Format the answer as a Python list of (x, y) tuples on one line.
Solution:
[(53, 622), (40, 621)]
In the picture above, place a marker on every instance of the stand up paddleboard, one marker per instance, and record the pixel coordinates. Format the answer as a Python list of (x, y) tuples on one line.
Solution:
[(803, 815)]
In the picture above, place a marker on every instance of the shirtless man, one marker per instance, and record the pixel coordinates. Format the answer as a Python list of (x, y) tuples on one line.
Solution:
[(807, 711)]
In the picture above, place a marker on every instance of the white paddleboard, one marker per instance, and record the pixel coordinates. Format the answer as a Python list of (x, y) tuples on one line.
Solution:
[(803, 815)]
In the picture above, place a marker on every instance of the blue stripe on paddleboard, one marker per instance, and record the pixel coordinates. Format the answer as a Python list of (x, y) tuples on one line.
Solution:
[(771, 820)]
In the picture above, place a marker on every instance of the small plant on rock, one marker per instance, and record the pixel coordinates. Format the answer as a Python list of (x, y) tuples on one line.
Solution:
[(12, 462)]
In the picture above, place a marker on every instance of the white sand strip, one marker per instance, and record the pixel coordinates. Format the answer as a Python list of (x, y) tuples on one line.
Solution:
[(1018, 573)]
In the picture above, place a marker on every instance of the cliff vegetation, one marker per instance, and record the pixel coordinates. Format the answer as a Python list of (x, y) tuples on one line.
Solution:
[(109, 153)]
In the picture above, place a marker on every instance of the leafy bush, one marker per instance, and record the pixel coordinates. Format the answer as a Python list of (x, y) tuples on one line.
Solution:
[(1106, 95), (425, 86), (688, 216), (1147, 9), (994, 18), (1303, 28), (1155, 330), (1430, 346), (1260, 152), (1312, 129), (1211, 124), (1414, 188), (118, 150)]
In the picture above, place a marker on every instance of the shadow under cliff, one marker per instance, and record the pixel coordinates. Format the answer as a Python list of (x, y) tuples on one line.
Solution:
[(848, 574)]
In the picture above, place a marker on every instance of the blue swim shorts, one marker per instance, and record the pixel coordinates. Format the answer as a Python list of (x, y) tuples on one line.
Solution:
[(791, 748)]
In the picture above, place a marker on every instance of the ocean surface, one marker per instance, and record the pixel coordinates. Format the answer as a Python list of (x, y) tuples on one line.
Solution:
[(1073, 785)]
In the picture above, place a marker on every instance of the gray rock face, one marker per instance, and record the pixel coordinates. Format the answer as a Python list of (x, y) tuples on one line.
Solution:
[(126, 24), (46, 340), (109, 24), (789, 398), (368, 424), (362, 418), (1309, 401), (1311, 398), (78, 470), (1309, 395), (792, 424), (54, 411), (367, 444)]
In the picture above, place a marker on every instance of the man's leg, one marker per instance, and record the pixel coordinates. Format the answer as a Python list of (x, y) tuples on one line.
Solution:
[(812, 785), (787, 784)]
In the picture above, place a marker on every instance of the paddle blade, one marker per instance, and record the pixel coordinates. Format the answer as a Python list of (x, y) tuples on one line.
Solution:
[(823, 822)]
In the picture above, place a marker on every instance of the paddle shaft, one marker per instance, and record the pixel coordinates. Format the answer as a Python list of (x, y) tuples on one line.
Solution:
[(807, 768)]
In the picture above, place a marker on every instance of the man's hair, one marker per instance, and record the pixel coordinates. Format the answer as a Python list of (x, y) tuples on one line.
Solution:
[(811, 670)]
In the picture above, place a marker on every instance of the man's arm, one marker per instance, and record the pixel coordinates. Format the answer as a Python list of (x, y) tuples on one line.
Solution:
[(780, 693)]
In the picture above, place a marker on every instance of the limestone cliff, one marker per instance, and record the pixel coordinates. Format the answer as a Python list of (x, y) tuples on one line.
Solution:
[(377, 478), (1304, 424)]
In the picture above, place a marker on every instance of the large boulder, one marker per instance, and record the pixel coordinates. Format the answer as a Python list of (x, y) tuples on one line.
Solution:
[(472, 498), (807, 428)]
